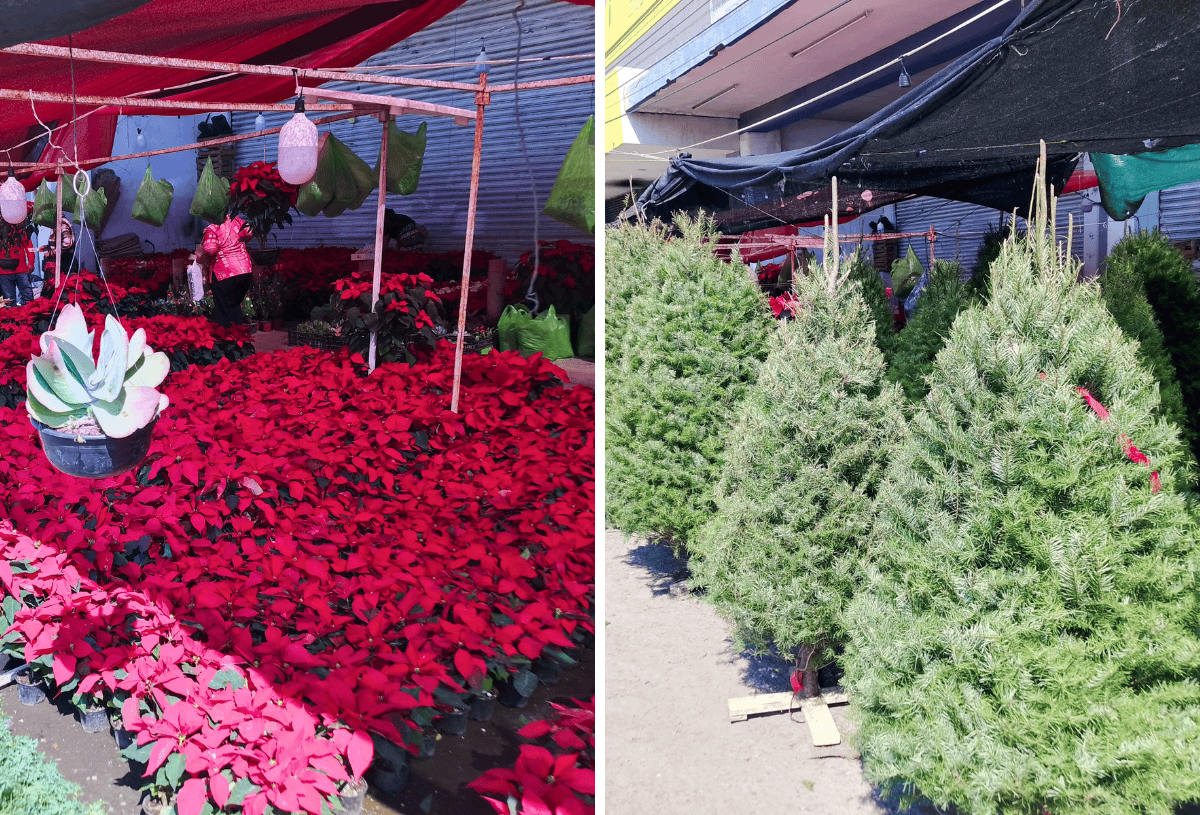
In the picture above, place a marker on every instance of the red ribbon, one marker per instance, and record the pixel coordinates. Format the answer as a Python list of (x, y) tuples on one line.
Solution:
[(1135, 455)]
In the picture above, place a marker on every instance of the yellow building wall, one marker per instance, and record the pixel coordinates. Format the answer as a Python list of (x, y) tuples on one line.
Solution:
[(627, 20)]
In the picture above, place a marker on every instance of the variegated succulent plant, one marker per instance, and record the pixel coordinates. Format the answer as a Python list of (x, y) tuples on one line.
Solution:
[(118, 390)]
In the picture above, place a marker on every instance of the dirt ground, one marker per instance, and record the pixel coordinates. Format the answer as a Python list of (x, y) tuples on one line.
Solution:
[(436, 785), (670, 668)]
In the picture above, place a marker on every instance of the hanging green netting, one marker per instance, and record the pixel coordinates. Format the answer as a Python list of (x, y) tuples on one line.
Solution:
[(212, 196), (153, 200), (572, 200), (342, 181), (406, 156)]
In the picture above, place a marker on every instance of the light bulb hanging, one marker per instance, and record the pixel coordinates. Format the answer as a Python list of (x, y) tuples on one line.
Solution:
[(141, 140), (905, 79), (12, 199), (481, 61), (260, 122), (298, 148)]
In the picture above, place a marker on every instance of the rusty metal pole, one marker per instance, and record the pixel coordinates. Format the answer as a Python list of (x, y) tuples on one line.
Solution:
[(58, 233), (385, 117), (481, 101)]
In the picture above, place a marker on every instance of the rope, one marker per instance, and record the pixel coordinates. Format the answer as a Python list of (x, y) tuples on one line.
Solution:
[(530, 295)]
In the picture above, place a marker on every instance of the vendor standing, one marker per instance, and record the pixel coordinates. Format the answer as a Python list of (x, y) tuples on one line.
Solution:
[(224, 254), (68, 247), (17, 259)]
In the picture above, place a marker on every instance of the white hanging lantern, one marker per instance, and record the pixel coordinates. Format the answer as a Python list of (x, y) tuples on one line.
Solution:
[(12, 200), (298, 148)]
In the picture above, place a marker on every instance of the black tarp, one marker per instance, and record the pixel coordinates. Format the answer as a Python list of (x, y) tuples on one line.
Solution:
[(1083, 75)]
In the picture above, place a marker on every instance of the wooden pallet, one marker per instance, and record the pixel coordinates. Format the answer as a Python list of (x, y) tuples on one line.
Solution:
[(821, 726)]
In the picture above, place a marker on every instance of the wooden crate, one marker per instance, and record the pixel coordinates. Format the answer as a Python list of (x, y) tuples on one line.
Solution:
[(223, 159)]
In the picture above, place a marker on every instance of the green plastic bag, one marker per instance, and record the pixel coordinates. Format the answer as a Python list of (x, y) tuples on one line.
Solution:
[(153, 200), (585, 347), (547, 334), (92, 209), (510, 322), (1125, 181), (212, 196), (572, 201), (44, 205), (406, 156), (348, 180)]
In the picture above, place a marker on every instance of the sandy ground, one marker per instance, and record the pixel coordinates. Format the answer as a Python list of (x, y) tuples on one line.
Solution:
[(670, 668)]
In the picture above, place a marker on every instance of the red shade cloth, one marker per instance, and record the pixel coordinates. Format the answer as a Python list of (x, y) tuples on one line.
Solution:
[(303, 33), (226, 243)]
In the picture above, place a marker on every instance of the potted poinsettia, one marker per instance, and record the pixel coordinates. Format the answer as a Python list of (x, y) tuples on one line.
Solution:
[(261, 198), (95, 417), (13, 238)]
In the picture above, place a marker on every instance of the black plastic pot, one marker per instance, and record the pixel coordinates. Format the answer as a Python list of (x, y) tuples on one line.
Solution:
[(482, 706), (264, 257), (94, 456), (9, 264), (28, 692), (453, 723), (123, 737), (352, 797), (546, 671), (389, 769), (94, 720)]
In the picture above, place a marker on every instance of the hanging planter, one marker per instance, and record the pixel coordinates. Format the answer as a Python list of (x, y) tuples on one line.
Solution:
[(95, 418)]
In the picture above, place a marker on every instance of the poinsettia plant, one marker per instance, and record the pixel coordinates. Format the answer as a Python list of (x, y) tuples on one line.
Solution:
[(14, 237), (260, 196)]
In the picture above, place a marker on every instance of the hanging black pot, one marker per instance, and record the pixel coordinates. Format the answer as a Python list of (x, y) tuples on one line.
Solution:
[(94, 456), (9, 264), (264, 257)]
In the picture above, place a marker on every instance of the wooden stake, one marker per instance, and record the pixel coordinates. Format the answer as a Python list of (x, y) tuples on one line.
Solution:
[(481, 101), (58, 234), (385, 117)]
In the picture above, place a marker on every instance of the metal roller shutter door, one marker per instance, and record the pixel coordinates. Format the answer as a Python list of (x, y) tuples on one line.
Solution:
[(550, 118), (1179, 211), (960, 228)]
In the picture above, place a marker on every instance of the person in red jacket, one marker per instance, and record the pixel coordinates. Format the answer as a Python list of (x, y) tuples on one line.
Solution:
[(14, 285), (224, 253)]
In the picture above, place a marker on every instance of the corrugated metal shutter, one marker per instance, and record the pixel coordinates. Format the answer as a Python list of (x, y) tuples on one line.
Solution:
[(960, 228), (1179, 211), (551, 119)]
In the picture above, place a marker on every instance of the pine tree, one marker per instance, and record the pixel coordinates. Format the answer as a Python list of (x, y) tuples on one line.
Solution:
[(925, 334), (1174, 294), (874, 293), (693, 331), (1125, 297), (1026, 637), (804, 457)]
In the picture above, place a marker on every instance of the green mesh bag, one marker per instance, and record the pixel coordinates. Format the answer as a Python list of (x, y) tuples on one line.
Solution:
[(572, 201), (406, 156), (153, 200), (212, 196), (44, 205), (92, 210), (509, 325), (547, 334)]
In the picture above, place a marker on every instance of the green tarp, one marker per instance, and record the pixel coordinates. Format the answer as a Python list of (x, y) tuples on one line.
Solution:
[(1126, 180)]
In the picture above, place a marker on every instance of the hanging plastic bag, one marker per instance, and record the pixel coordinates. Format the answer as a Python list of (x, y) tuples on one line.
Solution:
[(196, 280), (547, 334), (406, 157), (351, 180), (212, 195), (92, 208), (585, 347), (153, 200), (512, 318), (44, 206), (572, 199)]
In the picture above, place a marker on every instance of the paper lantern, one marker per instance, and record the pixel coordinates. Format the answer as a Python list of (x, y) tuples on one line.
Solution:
[(298, 148), (12, 201)]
